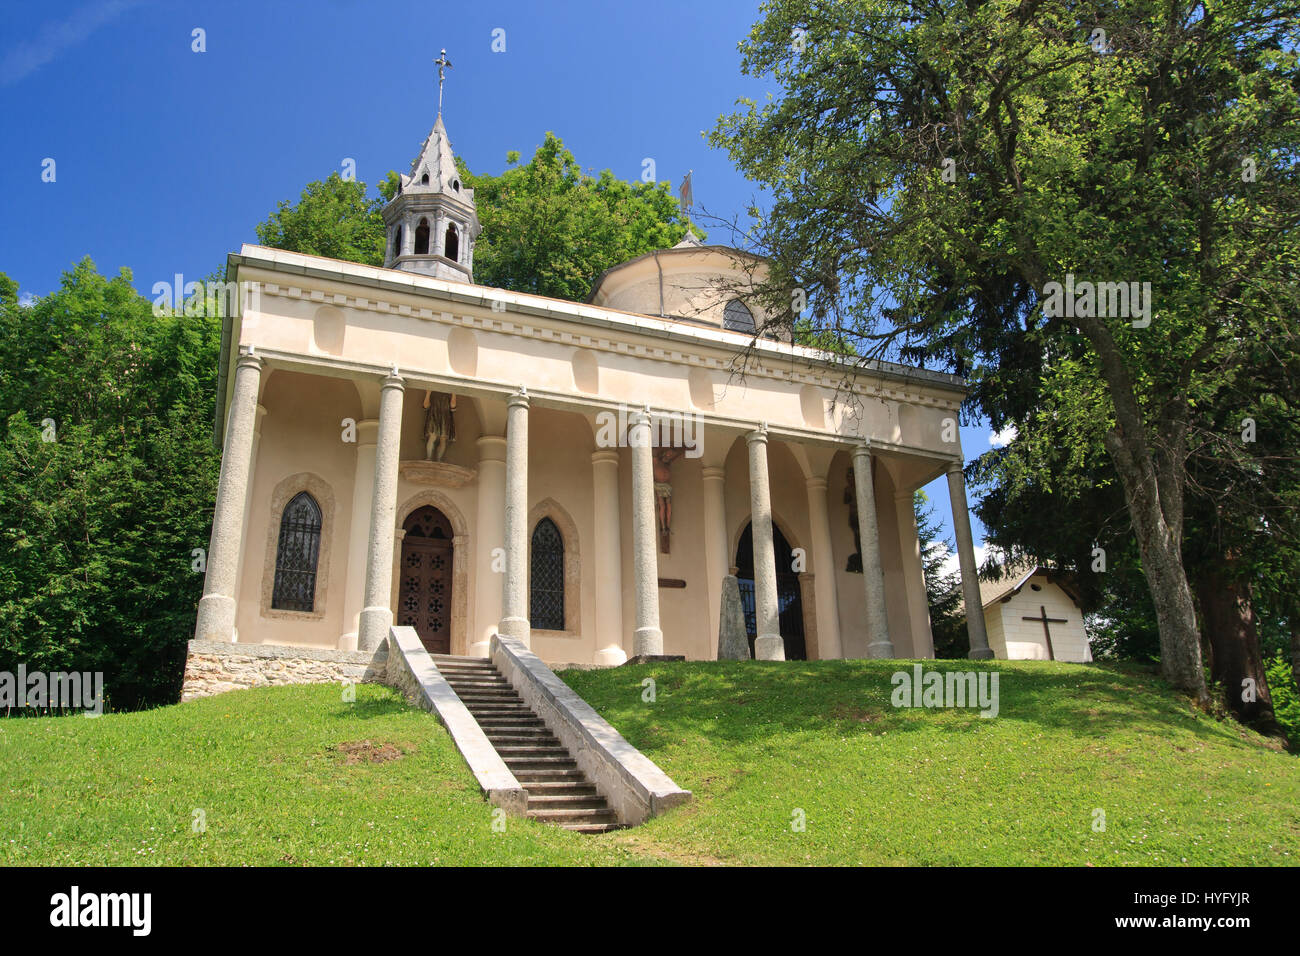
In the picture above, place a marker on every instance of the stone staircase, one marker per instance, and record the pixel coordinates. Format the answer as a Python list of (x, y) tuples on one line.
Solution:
[(558, 792)]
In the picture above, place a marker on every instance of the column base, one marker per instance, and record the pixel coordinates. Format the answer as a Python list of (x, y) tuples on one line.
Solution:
[(373, 631), (518, 628), (880, 650), (348, 641), (648, 642), (769, 647), (216, 619), (479, 649), (982, 654), (611, 657)]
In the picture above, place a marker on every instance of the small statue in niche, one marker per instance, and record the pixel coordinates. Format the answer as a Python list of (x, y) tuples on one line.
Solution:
[(854, 565), (439, 424), (663, 460)]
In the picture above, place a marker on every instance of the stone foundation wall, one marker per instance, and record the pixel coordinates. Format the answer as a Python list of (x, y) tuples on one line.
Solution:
[(213, 667)]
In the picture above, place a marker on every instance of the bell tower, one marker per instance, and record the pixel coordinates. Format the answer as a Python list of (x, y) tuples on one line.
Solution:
[(432, 222)]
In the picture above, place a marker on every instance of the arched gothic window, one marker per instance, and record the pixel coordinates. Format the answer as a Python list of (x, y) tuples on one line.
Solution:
[(296, 554), (451, 243), (397, 242), (422, 238), (546, 578), (737, 318)]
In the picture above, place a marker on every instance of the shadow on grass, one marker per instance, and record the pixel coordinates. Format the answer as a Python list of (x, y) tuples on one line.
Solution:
[(749, 701)]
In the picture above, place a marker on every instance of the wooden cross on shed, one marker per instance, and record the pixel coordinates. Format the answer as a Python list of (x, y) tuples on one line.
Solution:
[(1047, 631)]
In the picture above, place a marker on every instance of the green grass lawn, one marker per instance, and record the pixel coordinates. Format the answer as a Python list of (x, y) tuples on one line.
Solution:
[(295, 775)]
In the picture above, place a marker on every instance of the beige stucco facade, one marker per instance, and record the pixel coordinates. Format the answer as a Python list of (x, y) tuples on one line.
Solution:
[(326, 334)]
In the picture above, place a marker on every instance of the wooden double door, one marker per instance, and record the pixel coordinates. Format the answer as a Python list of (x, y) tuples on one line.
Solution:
[(425, 581)]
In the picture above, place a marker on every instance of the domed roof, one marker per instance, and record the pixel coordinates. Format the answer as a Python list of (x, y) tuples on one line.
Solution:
[(693, 283)]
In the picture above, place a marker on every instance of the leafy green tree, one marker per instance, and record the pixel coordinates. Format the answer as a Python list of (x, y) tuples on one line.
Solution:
[(935, 166), (333, 218), (551, 229), (108, 480)]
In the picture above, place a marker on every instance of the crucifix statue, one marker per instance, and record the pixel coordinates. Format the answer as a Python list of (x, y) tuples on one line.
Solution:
[(662, 460), (444, 64), (1051, 654), (439, 424)]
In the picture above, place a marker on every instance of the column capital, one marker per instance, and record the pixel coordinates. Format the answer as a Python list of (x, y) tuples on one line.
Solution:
[(519, 398), (605, 456), (714, 473), (491, 448), (393, 380), (250, 359), (759, 434), (815, 483), (862, 448), (639, 417), (955, 467)]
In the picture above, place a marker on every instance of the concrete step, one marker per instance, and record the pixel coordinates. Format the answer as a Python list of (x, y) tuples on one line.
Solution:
[(593, 827), (531, 776), (500, 710), (573, 788), (517, 738), (531, 749), (574, 816), (566, 801), (540, 763), (510, 721), (474, 683)]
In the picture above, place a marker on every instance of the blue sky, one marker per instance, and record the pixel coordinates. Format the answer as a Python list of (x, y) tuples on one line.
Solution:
[(166, 159)]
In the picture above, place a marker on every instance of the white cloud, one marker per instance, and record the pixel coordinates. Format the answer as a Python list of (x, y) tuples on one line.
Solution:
[(951, 564), (55, 36), (1003, 438)]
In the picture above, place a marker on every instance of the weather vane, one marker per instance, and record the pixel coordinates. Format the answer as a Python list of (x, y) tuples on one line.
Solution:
[(443, 65)]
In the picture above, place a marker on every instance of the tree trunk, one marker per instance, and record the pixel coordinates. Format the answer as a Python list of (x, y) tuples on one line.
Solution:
[(1237, 664), (1162, 566), (1154, 494)]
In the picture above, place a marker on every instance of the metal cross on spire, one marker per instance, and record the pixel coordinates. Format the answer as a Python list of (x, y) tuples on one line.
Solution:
[(444, 64)]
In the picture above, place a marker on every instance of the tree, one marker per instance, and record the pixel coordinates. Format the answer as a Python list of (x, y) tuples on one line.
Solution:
[(943, 591), (942, 175), (332, 218), (109, 476), (551, 229), (548, 227)]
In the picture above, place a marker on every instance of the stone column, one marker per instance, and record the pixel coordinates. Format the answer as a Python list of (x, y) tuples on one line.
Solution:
[(970, 584), (647, 639), (363, 492), (216, 617), (248, 500), (609, 558), (514, 588), (768, 645), (377, 614), (408, 236), (918, 603), (489, 534), (716, 559), (825, 592), (873, 575)]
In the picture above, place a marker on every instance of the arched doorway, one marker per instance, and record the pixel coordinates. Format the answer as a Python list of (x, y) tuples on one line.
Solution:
[(425, 589), (789, 601)]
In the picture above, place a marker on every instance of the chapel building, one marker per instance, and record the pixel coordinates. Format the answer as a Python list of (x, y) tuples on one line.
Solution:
[(402, 446)]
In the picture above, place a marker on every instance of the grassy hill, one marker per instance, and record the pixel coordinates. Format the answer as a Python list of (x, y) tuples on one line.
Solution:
[(295, 775)]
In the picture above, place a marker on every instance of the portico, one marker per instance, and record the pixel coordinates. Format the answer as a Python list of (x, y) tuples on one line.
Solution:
[(548, 507)]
